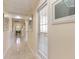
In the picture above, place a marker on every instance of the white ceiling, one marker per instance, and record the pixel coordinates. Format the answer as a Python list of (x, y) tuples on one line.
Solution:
[(21, 7)]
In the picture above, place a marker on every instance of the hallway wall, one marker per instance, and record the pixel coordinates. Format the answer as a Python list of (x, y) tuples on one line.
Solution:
[(6, 34), (33, 35), (5, 40), (61, 37), (9, 35), (61, 41)]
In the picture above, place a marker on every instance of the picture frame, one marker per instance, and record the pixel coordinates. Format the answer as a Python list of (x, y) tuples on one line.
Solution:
[(5, 24), (61, 14)]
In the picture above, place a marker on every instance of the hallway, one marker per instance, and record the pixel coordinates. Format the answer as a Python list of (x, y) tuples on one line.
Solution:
[(38, 29), (20, 51)]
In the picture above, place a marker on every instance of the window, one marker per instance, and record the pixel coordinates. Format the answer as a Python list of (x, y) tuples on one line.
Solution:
[(63, 11), (43, 31)]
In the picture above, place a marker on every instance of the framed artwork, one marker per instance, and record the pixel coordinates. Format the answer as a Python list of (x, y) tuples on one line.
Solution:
[(63, 11), (5, 24)]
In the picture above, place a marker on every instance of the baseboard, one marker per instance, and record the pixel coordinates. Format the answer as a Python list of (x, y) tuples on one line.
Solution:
[(30, 49), (4, 53), (33, 53), (38, 56), (43, 56)]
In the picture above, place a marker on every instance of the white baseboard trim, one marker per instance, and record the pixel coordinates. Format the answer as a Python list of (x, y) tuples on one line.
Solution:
[(45, 57), (29, 46), (4, 53), (33, 53)]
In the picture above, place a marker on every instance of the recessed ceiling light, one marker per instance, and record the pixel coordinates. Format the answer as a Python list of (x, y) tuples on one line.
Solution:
[(18, 17), (30, 18)]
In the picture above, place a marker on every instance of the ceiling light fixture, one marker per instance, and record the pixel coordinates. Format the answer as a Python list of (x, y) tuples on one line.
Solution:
[(30, 18), (18, 17)]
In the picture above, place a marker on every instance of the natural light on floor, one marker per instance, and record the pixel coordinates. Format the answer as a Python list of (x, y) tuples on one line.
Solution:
[(18, 41)]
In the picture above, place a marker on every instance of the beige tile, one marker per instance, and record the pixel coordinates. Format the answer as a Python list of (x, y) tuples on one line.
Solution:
[(20, 52)]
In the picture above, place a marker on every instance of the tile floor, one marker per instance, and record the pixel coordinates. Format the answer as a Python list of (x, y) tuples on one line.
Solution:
[(20, 51)]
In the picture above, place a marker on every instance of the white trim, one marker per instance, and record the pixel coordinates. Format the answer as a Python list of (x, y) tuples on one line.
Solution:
[(33, 53), (66, 19), (4, 53), (43, 54), (63, 20)]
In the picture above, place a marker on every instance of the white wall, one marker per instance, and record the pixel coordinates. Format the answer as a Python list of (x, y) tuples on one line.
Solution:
[(26, 29), (61, 42), (7, 35), (5, 41), (33, 35), (61, 39)]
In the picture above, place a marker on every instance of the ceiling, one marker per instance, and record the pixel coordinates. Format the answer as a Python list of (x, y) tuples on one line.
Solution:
[(21, 7)]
